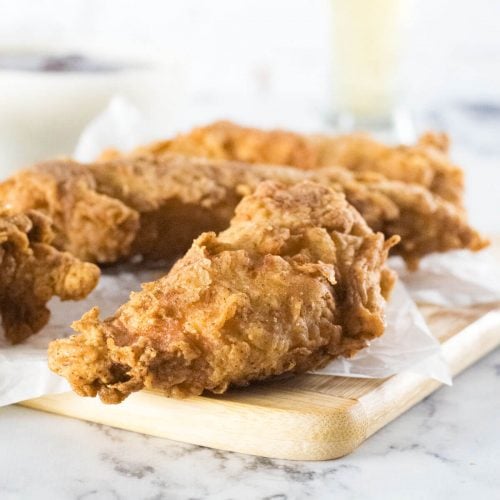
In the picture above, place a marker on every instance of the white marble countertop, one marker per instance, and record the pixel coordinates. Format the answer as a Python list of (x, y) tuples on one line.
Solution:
[(445, 447)]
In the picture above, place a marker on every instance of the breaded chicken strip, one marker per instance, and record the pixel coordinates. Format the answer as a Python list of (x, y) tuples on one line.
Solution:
[(179, 198), (426, 163), (297, 280), (170, 201), (91, 226), (32, 271)]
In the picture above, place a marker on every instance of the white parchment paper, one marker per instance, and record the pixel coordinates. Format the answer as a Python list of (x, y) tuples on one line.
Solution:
[(456, 279), (406, 345)]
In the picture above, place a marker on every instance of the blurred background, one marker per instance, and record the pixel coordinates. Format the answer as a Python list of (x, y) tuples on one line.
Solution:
[(395, 67)]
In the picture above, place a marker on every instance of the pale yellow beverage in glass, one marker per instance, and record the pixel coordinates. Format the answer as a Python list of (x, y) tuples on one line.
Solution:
[(366, 51)]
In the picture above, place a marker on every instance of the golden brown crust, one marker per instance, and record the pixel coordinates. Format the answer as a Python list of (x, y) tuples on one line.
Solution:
[(224, 140), (425, 223), (292, 283), (91, 226), (426, 163), (155, 207), (32, 271), (178, 198)]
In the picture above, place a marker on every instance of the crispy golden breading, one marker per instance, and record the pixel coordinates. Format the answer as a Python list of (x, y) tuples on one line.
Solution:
[(91, 226), (228, 141), (297, 279), (32, 271), (426, 163), (170, 201), (178, 198)]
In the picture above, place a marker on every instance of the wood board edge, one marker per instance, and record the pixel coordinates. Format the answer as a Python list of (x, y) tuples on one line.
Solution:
[(316, 434), (313, 434)]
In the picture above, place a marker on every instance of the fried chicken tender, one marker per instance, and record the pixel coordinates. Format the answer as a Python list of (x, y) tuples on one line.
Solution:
[(178, 198), (426, 163), (296, 280), (32, 271), (91, 226), (173, 199)]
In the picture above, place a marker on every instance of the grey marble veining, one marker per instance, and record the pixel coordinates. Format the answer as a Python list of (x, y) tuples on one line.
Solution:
[(445, 447)]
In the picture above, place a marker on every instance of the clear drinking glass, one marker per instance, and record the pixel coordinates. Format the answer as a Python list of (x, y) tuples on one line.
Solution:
[(367, 48)]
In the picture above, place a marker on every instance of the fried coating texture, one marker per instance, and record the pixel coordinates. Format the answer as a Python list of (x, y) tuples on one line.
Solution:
[(426, 163), (296, 280), (178, 198), (227, 141), (169, 201), (32, 271), (91, 226)]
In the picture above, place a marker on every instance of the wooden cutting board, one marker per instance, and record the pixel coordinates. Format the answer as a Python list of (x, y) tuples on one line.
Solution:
[(311, 417)]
